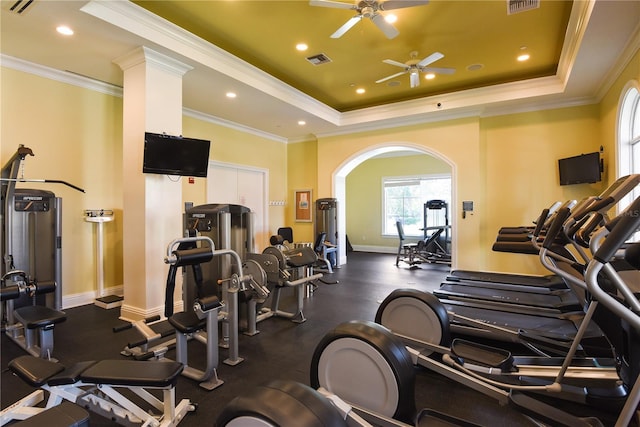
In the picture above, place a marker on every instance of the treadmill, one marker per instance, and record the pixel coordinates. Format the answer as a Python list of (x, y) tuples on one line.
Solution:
[(522, 323), (611, 196)]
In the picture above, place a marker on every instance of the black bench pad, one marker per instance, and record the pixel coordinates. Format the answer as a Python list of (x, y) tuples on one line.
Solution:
[(187, 322), (37, 371), (38, 316), (34, 370), (66, 414), (133, 373), (70, 375)]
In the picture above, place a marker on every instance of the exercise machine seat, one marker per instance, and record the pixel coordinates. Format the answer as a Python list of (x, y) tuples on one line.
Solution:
[(187, 322), (133, 373), (37, 316)]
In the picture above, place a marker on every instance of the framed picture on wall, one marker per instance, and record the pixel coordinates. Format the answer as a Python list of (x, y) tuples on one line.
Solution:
[(303, 205)]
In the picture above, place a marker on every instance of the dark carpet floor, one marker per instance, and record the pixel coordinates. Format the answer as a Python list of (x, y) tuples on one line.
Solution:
[(282, 349)]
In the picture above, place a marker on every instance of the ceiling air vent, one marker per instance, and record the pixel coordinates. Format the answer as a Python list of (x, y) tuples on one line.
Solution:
[(517, 6), (20, 6), (319, 59)]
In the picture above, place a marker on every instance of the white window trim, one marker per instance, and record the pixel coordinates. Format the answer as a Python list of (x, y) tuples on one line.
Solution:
[(407, 178), (628, 108)]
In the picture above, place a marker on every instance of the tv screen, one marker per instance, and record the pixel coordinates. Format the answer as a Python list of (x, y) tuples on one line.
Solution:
[(585, 168), (174, 155)]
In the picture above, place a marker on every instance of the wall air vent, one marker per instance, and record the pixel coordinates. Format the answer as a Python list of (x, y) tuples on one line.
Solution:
[(20, 6), (319, 59), (517, 6)]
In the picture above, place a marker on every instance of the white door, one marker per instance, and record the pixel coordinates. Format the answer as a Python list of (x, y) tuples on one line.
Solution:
[(239, 185)]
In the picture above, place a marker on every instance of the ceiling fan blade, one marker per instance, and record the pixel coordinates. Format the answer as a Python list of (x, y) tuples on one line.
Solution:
[(414, 79), (334, 4), (346, 27), (399, 4), (438, 70), (396, 63), (429, 59), (388, 29), (391, 77)]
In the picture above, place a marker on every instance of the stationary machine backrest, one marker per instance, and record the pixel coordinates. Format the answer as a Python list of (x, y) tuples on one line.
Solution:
[(286, 233), (400, 230), (186, 254), (317, 246)]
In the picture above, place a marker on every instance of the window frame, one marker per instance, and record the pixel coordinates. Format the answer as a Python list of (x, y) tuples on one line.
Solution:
[(628, 137), (422, 177)]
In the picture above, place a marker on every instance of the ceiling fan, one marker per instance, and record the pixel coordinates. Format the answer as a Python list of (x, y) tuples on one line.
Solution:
[(368, 9), (415, 67)]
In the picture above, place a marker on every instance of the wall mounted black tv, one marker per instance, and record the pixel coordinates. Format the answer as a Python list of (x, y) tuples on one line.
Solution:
[(175, 155), (585, 168)]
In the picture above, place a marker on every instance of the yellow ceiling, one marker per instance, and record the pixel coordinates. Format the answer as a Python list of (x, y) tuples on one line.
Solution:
[(477, 32)]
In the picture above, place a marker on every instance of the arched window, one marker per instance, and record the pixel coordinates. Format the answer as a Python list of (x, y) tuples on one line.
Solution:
[(629, 136)]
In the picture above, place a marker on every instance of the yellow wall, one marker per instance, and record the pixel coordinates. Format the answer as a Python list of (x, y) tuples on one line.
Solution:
[(364, 195), (521, 171), (609, 112), (507, 165), (302, 173), (76, 136), (455, 142), (241, 148)]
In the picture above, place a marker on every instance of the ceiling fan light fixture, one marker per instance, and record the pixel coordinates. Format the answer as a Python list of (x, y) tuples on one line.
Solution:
[(390, 18)]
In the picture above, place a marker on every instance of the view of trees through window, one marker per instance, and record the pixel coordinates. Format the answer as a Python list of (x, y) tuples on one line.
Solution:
[(404, 200)]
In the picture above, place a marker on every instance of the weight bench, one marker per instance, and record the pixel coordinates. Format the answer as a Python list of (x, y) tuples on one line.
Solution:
[(98, 387)]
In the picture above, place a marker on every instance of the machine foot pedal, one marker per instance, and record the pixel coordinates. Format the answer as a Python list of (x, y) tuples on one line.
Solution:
[(483, 354)]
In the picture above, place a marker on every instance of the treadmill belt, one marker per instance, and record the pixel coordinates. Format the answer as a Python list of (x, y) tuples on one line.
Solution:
[(563, 302), (545, 326), (516, 279)]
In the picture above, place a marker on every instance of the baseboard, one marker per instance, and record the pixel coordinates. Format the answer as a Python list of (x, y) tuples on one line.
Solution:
[(375, 249), (84, 298)]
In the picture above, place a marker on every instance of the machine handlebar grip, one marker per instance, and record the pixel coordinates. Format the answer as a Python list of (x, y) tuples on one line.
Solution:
[(625, 227), (276, 239), (209, 303), (121, 328), (9, 292), (588, 224), (594, 207), (45, 287), (632, 255), (171, 285), (540, 222), (192, 256), (556, 227)]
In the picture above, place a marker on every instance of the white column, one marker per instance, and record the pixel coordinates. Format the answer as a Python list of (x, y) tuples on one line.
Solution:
[(152, 204)]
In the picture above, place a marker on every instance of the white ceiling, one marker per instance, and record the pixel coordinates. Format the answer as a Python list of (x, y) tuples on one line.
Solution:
[(601, 38)]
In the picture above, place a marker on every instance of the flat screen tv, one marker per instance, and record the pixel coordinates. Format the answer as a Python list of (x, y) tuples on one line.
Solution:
[(585, 168), (175, 155)]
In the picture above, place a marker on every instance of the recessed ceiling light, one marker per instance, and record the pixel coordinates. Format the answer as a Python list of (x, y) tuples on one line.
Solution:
[(360, 91), (302, 122), (302, 47), (523, 57), (390, 18), (64, 30), (429, 76), (475, 67), (231, 95)]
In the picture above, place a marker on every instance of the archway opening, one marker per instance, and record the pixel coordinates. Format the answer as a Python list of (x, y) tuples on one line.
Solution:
[(339, 182)]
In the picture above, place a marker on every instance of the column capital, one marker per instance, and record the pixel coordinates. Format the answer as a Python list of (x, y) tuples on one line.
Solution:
[(143, 54)]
